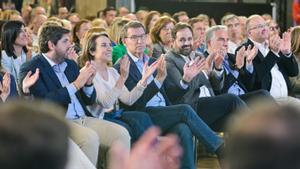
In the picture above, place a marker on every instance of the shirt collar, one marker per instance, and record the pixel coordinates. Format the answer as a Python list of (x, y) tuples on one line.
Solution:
[(62, 66), (49, 60), (263, 45), (136, 59)]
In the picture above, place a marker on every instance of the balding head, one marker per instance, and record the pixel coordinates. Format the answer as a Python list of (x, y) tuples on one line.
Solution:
[(257, 28)]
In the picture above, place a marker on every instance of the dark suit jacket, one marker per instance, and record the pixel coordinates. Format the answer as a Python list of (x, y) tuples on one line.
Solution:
[(48, 86), (263, 65), (158, 49), (245, 79), (132, 80), (176, 93)]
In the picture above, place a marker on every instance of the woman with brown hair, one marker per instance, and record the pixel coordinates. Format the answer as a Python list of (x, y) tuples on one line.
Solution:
[(161, 36), (79, 30)]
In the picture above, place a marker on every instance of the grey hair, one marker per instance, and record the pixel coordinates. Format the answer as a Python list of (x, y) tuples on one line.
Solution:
[(226, 18), (210, 32)]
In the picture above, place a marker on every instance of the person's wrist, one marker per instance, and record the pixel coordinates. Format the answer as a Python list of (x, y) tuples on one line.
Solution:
[(76, 85), (218, 69), (186, 79), (88, 84)]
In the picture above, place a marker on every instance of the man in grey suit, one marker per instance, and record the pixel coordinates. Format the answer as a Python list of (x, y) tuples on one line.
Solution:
[(192, 79)]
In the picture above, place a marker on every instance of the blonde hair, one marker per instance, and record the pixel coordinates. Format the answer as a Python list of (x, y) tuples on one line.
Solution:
[(116, 29), (295, 40)]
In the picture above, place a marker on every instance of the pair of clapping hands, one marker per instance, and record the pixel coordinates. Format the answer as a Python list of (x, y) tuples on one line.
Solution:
[(159, 65)]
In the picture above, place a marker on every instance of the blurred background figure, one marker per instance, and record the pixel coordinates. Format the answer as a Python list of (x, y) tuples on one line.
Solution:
[(265, 137)]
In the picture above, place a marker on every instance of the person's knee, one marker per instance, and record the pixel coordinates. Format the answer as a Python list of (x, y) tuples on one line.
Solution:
[(183, 131), (91, 138), (122, 135), (236, 100)]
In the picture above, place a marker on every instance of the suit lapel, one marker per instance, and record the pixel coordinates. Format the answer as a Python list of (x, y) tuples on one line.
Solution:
[(259, 54), (49, 71), (179, 62), (135, 73)]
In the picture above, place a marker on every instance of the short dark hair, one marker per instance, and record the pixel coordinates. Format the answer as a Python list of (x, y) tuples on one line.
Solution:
[(33, 135), (179, 26), (10, 32), (50, 33), (110, 8), (131, 24)]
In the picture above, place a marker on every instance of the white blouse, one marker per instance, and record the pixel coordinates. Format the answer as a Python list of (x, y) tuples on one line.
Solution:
[(108, 94)]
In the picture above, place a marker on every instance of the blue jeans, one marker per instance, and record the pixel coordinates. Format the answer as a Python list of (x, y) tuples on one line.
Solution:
[(168, 116), (186, 141)]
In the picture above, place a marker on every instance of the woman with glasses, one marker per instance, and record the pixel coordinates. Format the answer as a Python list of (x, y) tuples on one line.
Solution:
[(14, 40), (161, 36), (110, 88)]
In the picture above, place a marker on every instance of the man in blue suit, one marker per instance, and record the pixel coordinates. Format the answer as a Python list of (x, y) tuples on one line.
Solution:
[(61, 81), (177, 118)]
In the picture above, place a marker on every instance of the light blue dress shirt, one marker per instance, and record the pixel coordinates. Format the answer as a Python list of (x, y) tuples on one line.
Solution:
[(75, 110), (157, 99)]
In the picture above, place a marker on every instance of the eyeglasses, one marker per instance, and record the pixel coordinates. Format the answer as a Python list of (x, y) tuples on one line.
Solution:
[(137, 37), (105, 45), (260, 26), (273, 28)]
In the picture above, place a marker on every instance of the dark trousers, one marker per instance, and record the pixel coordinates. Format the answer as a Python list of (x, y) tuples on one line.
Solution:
[(168, 117), (256, 96), (216, 110)]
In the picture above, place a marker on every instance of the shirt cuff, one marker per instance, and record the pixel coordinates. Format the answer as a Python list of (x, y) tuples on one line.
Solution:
[(249, 68), (183, 85), (88, 90), (289, 55), (219, 73), (158, 84)]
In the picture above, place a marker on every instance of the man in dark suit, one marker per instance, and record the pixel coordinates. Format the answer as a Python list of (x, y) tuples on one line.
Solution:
[(274, 61), (178, 118), (61, 82), (192, 80), (237, 81)]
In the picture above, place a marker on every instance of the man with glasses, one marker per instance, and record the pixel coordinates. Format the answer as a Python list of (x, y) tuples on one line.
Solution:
[(274, 61), (180, 119)]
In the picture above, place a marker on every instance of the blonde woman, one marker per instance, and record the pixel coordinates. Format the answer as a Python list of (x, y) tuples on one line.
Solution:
[(295, 43)]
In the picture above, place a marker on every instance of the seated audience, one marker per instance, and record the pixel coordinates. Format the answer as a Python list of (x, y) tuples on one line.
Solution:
[(61, 82), (192, 80), (274, 62), (181, 118)]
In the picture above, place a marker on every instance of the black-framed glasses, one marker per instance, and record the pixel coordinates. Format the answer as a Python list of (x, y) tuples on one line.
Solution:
[(137, 37)]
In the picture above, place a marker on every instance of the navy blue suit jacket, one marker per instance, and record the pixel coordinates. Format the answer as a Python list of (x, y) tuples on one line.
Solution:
[(48, 86), (134, 77)]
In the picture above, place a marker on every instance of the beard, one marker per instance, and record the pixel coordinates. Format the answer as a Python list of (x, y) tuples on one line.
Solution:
[(185, 50)]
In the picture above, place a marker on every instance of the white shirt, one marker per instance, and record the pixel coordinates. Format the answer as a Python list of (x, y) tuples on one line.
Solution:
[(204, 92), (232, 47), (278, 85)]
